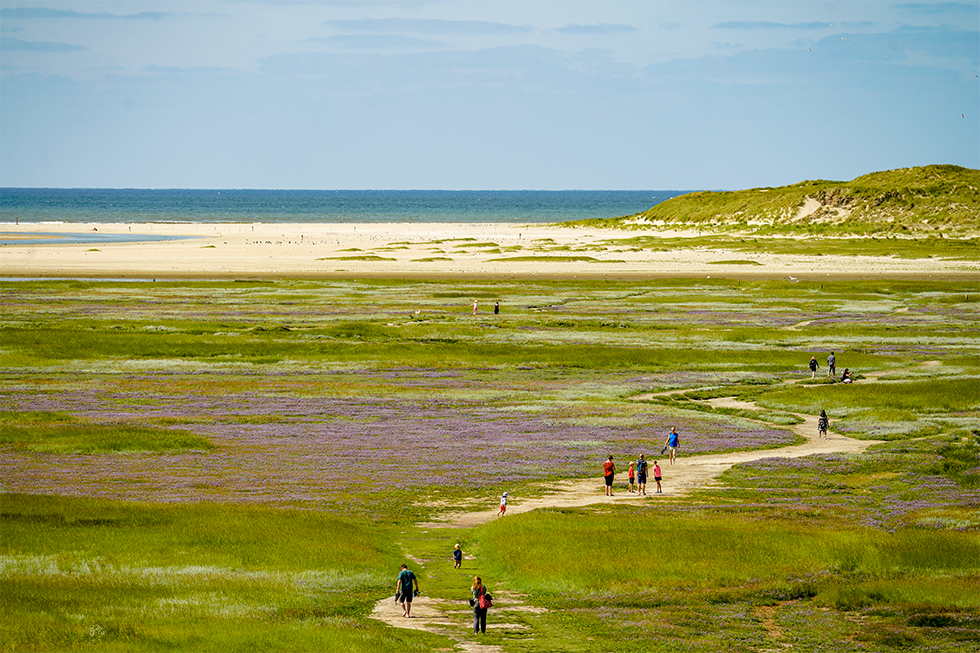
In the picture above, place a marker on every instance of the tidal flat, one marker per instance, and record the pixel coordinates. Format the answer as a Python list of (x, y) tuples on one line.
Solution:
[(220, 465)]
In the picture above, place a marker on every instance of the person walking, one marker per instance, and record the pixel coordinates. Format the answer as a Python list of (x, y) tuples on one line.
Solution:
[(822, 424), (457, 557), (404, 592), (503, 505), (632, 477), (481, 601), (641, 475), (832, 366), (673, 441), (475, 302), (496, 308), (657, 477), (813, 367), (608, 473)]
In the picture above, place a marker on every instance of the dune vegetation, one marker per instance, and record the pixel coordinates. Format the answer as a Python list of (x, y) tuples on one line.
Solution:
[(940, 201), (218, 465)]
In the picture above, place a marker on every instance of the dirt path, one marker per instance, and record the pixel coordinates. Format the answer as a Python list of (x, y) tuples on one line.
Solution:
[(687, 474)]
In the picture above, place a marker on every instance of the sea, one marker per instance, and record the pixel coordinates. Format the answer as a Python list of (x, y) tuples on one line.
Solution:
[(63, 205)]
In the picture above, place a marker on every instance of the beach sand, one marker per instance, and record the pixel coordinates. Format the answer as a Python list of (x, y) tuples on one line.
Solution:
[(417, 250)]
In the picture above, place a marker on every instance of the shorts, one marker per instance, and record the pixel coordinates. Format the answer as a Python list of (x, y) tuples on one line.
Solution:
[(672, 449), (405, 597), (609, 480), (503, 508), (641, 479), (658, 478), (632, 480)]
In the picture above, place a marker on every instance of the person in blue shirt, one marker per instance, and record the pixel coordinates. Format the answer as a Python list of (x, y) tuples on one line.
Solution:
[(673, 441), (457, 557)]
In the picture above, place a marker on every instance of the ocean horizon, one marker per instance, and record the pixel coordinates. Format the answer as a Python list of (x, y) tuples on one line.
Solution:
[(81, 205)]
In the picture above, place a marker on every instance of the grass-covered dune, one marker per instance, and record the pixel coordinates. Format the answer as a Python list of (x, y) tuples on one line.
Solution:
[(936, 199)]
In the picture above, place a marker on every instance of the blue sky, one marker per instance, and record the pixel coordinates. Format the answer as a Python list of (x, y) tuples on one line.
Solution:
[(502, 94)]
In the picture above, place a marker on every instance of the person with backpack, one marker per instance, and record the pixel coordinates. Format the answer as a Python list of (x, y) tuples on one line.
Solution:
[(404, 591), (641, 475), (813, 367), (481, 601)]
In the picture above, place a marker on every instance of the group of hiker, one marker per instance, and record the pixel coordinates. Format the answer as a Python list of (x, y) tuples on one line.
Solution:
[(637, 473), (407, 588), (831, 369)]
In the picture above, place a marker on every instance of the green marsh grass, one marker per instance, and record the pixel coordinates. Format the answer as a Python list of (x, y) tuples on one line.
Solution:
[(688, 573), (901, 404), (112, 575), (59, 433)]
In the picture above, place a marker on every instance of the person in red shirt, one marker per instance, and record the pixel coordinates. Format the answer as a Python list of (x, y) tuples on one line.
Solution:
[(608, 472)]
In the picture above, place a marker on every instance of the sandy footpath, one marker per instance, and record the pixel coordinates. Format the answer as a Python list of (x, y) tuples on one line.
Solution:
[(420, 250)]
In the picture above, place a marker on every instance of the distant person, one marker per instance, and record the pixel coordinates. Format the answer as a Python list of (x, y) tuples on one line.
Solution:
[(608, 473), (822, 424), (813, 367), (846, 376), (831, 366), (481, 601), (641, 475), (457, 558), (632, 477), (496, 308), (404, 592), (673, 441), (657, 477), (475, 302), (503, 504)]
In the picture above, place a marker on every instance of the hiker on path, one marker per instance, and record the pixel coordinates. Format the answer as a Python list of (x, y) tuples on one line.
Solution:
[(822, 424), (404, 592), (813, 367), (503, 505), (831, 366), (632, 477), (608, 473), (657, 477), (457, 557), (673, 441), (641, 475), (480, 602)]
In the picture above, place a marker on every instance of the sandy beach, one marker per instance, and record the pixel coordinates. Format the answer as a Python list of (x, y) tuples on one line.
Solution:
[(417, 250)]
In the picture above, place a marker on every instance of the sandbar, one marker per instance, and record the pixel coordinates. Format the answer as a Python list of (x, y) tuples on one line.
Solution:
[(412, 250)]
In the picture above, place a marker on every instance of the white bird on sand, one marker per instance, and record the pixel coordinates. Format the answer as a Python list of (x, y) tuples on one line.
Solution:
[(793, 279)]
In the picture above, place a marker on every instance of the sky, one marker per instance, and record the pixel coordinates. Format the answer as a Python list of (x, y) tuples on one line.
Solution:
[(482, 94)]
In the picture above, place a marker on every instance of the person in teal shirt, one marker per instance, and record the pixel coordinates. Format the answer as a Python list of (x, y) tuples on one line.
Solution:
[(404, 592)]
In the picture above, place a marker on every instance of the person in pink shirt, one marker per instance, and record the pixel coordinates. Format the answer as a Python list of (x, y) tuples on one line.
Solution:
[(657, 477)]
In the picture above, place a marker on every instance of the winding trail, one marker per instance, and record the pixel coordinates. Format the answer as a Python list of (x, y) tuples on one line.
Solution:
[(687, 474)]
